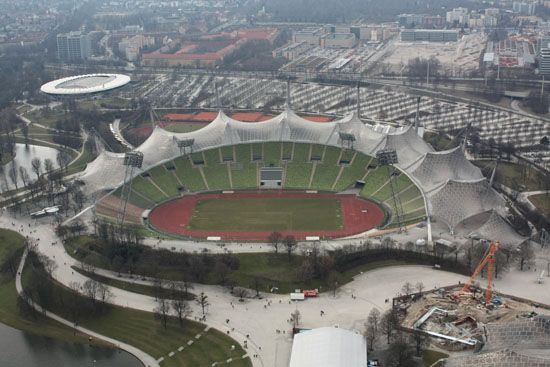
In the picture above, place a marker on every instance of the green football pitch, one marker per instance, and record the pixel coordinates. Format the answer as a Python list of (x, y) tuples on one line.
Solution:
[(267, 214)]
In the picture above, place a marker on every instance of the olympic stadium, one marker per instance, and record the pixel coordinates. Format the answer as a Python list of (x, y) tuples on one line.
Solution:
[(85, 84), (238, 181)]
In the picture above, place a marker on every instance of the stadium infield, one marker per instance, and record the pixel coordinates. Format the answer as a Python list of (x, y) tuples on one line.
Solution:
[(252, 216)]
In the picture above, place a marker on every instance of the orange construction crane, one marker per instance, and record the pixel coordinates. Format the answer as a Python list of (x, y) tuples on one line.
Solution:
[(489, 260)]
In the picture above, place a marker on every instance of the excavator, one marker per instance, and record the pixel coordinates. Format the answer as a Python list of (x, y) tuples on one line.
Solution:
[(489, 261)]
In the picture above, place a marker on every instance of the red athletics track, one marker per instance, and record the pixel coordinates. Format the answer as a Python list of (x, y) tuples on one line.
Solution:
[(358, 215)]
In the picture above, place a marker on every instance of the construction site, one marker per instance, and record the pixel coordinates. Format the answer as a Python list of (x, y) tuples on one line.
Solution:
[(499, 329)]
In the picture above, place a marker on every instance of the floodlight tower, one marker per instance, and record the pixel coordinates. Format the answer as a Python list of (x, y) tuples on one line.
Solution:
[(388, 158), (183, 144), (358, 91), (132, 160), (288, 104), (347, 139)]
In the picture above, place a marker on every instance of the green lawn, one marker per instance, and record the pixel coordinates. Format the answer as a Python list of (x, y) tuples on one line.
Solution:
[(143, 186), (11, 245), (265, 270), (134, 287), (298, 170), (189, 175), (327, 171), (429, 357), (184, 127), (439, 142), (81, 162), (165, 180), (215, 172), (272, 154), (267, 214), (516, 176), (244, 172), (542, 202), (141, 330)]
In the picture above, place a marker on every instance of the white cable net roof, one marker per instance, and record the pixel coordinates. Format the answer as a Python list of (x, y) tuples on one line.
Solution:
[(456, 188), (107, 171), (455, 201), (437, 167), (409, 146), (497, 228)]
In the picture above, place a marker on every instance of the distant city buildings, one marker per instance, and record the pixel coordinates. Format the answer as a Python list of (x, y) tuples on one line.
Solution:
[(524, 8), (544, 62), (543, 42), (513, 52), (420, 20), (73, 46), (458, 16), (131, 46), (429, 35), (292, 50), (338, 40), (311, 36), (208, 51)]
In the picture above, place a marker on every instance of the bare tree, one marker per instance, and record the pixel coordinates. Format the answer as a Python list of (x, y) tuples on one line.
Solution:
[(181, 308), (158, 285), (48, 165), (333, 282), (161, 312), (24, 175), (36, 164), (420, 342), (104, 294), (90, 288), (372, 327), (13, 174), (241, 292), (275, 239), (388, 323), (400, 354), (202, 301), (63, 159), (222, 271), (525, 254), (419, 287), (407, 288), (290, 245), (48, 264)]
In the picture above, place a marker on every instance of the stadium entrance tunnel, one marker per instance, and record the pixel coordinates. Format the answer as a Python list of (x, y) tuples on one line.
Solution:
[(253, 216)]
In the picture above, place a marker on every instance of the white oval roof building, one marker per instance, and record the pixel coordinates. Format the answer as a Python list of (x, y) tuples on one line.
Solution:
[(85, 84)]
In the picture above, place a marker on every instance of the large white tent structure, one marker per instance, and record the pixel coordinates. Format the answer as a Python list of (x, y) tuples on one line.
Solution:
[(328, 347), (453, 188)]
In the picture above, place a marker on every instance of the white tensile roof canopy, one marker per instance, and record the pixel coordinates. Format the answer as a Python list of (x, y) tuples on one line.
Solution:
[(328, 347), (454, 188)]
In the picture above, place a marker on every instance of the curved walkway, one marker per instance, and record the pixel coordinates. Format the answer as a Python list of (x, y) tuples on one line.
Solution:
[(144, 358), (258, 321)]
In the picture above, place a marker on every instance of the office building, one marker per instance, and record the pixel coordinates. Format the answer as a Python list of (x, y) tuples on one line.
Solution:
[(429, 35), (524, 8), (73, 46), (458, 16), (544, 61)]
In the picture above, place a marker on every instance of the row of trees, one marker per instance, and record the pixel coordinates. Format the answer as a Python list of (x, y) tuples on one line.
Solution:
[(42, 291)]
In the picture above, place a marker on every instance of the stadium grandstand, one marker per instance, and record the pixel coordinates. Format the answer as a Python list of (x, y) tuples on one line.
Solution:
[(228, 154)]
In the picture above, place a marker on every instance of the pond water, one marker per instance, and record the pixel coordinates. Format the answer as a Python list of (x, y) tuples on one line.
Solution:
[(23, 158), (21, 349)]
